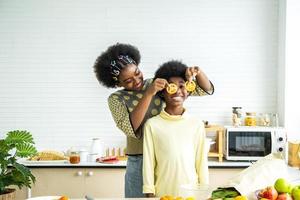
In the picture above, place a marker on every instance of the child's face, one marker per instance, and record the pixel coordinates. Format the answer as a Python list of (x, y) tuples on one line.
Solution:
[(180, 96), (131, 78)]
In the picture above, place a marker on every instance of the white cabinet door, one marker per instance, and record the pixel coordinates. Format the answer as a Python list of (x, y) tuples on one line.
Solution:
[(59, 181), (105, 182)]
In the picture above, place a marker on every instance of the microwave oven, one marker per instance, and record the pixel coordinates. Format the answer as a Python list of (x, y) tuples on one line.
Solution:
[(247, 143)]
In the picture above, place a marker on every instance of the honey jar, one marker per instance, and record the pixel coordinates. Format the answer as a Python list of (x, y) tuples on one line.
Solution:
[(250, 119), (74, 158)]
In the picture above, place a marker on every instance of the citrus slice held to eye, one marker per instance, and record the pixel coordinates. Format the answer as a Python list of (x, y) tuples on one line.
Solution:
[(172, 88), (190, 86)]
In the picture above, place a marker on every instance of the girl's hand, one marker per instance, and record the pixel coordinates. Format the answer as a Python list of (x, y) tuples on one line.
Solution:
[(157, 85), (191, 72)]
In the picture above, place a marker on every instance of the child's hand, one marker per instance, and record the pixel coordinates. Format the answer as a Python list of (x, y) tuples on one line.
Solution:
[(191, 72), (157, 85), (150, 195)]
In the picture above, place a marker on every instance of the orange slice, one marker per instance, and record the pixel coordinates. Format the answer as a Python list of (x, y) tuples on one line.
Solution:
[(172, 88), (190, 86)]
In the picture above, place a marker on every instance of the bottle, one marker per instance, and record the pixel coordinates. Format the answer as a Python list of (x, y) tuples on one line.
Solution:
[(250, 119), (275, 122), (96, 147)]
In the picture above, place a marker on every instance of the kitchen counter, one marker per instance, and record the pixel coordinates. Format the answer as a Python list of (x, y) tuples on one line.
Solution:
[(122, 164)]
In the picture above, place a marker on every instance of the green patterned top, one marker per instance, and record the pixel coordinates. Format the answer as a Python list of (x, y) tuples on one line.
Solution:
[(121, 104)]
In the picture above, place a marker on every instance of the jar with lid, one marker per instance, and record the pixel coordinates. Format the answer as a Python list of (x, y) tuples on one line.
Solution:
[(250, 119), (236, 116), (264, 119), (74, 157)]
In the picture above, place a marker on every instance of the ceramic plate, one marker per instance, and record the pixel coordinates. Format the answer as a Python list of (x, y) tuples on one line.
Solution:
[(45, 161)]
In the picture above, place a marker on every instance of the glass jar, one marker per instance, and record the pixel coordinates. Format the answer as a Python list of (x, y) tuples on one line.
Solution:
[(250, 119), (236, 116), (74, 157), (264, 119), (275, 120)]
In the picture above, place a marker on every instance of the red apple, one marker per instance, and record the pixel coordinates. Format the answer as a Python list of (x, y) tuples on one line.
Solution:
[(269, 193), (284, 196)]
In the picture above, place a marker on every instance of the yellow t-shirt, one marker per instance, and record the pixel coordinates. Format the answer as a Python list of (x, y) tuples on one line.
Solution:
[(174, 153)]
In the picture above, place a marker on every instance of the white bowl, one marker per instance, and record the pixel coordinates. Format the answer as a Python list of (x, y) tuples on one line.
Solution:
[(208, 143)]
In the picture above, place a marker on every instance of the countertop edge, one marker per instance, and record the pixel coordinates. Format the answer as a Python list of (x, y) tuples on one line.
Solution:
[(122, 164)]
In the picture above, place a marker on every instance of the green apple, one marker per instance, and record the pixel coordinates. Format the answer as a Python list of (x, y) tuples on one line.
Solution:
[(296, 192), (282, 186), (291, 187)]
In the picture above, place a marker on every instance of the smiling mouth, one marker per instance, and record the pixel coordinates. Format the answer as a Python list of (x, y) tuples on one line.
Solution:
[(138, 85), (177, 98)]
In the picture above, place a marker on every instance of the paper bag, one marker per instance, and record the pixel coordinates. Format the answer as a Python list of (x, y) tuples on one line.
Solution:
[(261, 174)]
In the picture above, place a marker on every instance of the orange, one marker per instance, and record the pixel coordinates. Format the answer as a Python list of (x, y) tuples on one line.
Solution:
[(63, 198)]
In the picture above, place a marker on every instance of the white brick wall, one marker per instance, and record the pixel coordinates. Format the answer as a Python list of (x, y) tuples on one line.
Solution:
[(47, 50)]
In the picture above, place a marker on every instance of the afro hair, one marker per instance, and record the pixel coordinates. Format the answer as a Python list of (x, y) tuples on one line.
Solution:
[(102, 66), (170, 69)]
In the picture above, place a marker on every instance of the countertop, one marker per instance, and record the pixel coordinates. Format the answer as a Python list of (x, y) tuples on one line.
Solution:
[(122, 164)]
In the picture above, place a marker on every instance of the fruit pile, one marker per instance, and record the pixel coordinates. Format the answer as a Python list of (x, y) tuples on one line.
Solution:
[(281, 190)]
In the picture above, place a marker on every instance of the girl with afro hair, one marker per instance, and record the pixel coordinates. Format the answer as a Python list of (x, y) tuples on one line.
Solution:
[(135, 102)]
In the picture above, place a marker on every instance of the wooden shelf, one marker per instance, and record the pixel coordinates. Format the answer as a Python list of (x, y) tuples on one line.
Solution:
[(219, 130)]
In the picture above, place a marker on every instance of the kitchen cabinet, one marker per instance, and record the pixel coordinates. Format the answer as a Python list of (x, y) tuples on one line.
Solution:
[(77, 182), (97, 182)]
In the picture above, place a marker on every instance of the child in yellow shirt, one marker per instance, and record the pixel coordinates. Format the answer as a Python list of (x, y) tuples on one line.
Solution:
[(174, 149)]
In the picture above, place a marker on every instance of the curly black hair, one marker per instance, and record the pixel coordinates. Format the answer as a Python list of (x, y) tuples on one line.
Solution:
[(103, 64), (170, 69)]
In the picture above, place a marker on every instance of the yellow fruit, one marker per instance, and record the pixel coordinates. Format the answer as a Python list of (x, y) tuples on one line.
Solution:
[(178, 198), (63, 198), (240, 197), (190, 198), (167, 197), (172, 88), (190, 86), (163, 198)]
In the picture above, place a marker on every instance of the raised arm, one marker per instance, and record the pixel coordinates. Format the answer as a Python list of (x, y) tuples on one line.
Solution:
[(202, 81), (138, 114)]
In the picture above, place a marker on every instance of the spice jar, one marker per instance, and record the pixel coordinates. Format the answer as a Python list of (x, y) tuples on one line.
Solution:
[(74, 157), (250, 119)]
